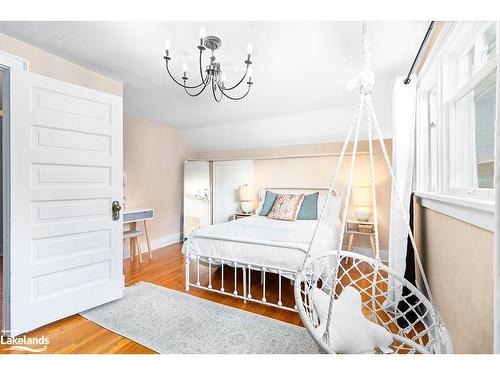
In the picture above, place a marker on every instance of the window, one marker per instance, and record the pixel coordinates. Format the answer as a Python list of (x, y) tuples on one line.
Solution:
[(490, 41), (456, 113), (467, 66), (472, 118), (456, 123)]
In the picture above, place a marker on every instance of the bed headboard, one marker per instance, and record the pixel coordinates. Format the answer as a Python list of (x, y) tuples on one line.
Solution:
[(301, 190)]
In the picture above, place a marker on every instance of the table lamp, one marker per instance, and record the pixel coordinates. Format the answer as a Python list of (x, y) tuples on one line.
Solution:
[(362, 199), (247, 198)]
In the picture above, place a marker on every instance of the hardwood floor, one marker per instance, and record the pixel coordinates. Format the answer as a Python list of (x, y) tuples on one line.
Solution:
[(79, 335)]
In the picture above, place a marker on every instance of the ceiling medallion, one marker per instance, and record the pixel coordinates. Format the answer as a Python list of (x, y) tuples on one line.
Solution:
[(213, 76)]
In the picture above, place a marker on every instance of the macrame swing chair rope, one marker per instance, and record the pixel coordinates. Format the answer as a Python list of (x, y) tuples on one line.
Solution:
[(387, 299)]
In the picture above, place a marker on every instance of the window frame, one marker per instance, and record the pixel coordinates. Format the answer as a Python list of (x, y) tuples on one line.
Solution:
[(483, 67), (454, 40)]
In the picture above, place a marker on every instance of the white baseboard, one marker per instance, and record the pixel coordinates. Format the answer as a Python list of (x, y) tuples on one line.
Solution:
[(156, 243), (367, 251)]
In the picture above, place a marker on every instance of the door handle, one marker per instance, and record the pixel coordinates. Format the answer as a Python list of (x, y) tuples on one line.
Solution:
[(116, 210)]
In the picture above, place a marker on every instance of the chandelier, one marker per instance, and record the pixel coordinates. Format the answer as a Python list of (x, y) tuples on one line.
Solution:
[(212, 74)]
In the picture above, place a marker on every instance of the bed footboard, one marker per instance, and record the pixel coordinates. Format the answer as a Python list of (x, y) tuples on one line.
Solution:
[(194, 263)]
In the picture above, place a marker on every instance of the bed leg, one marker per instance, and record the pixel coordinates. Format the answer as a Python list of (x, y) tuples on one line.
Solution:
[(244, 269), (187, 272)]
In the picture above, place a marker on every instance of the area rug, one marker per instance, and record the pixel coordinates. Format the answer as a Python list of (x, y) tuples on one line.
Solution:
[(171, 322)]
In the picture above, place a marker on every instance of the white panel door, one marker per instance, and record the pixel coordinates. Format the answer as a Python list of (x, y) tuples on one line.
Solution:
[(228, 176), (66, 170)]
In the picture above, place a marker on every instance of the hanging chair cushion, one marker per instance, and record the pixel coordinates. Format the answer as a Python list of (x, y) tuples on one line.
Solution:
[(350, 332)]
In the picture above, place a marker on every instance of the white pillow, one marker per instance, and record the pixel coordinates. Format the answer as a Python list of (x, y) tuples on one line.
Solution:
[(262, 195), (333, 209), (350, 331)]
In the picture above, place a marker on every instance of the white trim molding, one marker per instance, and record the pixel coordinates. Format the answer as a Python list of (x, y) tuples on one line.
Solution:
[(367, 252), (475, 211), (160, 242), (13, 62), (156, 243), (496, 257)]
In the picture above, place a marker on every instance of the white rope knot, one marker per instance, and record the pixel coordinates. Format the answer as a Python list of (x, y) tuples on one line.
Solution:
[(365, 80)]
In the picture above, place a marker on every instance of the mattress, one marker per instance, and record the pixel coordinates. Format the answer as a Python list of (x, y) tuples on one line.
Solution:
[(260, 241)]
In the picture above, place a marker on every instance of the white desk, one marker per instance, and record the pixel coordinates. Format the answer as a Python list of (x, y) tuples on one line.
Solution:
[(132, 216)]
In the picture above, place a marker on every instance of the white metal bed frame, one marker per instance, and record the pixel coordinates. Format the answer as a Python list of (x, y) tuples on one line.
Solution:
[(246, 274), (244, 266)]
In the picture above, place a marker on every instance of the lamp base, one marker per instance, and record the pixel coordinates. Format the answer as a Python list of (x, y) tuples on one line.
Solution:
[(363, 213), (246, 207)]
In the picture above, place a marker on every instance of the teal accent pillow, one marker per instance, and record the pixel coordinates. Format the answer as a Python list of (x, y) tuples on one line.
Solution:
[(268, 203), (309, 208)]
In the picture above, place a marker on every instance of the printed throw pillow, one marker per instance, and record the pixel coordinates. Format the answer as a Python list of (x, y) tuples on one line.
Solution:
[(286, 207)]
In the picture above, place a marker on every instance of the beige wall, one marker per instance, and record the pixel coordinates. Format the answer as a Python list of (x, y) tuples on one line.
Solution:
[(458, 259), (277, 169), (50, 65), (153, 160)]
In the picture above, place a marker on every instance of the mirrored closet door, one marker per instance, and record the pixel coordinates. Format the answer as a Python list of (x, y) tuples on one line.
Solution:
[(197, 195)]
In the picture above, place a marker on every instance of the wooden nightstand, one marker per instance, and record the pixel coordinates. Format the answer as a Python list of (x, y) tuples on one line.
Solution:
[(241, 215), (360, 228)]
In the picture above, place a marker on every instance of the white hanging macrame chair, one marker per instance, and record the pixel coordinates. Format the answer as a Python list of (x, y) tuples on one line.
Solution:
[(387, 298)]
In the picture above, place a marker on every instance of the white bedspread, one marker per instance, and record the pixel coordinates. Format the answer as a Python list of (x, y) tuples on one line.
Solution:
[(261, 241)]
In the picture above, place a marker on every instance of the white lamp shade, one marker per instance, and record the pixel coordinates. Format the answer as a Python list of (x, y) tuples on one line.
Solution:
[(362, 196), (247, 193)]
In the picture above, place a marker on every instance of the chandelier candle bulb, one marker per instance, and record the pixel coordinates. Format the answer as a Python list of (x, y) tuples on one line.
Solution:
[(184, 69), (167, 46), (203, 34), (249, 49), (250, 75)]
